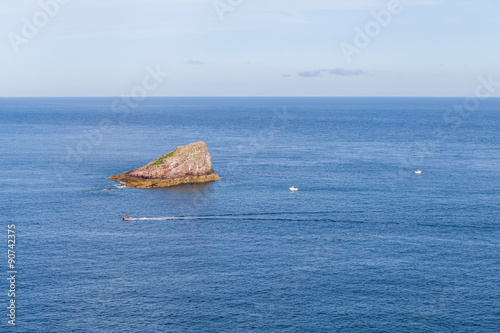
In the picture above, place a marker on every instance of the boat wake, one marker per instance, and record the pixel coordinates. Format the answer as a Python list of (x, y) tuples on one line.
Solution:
[(171, 218), (297, 216), (214, 217)]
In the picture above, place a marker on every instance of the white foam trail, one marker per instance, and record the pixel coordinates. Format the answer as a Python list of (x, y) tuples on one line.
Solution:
[(257, 216), (174, 218)]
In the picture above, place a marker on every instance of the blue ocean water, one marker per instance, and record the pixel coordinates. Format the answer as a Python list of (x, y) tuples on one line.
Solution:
[(365, 245)]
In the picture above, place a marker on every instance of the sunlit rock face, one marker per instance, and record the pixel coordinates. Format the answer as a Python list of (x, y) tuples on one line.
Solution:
[(186, 164)]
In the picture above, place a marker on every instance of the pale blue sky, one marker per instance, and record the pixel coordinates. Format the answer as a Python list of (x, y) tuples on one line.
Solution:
[(261, 48)]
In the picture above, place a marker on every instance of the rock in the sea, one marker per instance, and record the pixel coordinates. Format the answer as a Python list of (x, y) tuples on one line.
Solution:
[(186, 164)]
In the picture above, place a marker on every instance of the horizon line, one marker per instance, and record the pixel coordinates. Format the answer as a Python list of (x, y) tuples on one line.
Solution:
[(244, 97)]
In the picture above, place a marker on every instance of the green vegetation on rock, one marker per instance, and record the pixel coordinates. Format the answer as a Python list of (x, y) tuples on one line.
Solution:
[(159, 161)]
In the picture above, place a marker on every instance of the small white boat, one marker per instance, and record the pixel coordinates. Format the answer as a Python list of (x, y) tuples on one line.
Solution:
[(293, 189), (126, 218), (418, 172)]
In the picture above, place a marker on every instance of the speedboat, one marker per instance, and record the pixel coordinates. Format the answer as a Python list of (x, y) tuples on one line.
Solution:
[(293, 189), (418, 172), (126, 218)]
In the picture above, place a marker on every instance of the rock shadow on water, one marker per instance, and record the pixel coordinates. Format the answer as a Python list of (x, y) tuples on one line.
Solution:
[(185, 188), (187, 195)]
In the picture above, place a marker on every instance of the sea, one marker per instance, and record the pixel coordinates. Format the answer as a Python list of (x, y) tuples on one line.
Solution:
[(364, 245)]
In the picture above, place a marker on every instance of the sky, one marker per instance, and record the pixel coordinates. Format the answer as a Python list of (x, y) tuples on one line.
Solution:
[(248, 47)]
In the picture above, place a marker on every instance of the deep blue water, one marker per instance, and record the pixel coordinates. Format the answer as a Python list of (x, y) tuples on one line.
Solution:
[(365, 245)]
